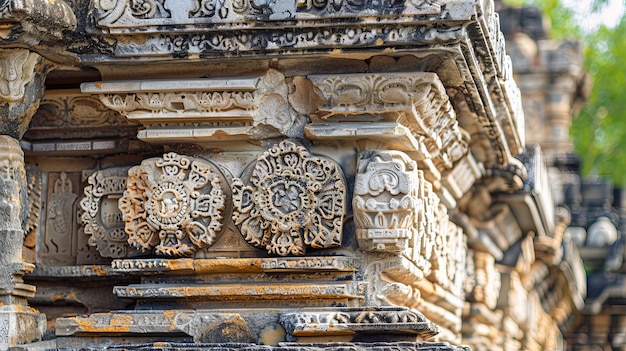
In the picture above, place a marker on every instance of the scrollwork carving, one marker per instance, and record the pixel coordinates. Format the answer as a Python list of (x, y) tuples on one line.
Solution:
[(174, 205), (101, 217), (290, 200)]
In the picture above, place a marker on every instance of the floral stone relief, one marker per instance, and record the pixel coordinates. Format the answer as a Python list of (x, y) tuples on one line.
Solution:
[(290, 199), (174, 205)]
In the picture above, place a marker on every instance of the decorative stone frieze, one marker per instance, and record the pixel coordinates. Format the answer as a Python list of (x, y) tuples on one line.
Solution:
[(174, 205), (302, 324), (290, 200), (201, 110), (102, 218), (123, 15)]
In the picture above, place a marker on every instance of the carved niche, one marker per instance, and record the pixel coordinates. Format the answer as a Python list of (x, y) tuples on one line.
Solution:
[(102, 217), (174, 205), (59, 246), (290, 199)]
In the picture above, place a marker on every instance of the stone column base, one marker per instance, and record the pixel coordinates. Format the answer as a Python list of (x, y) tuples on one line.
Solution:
[(20, 325)]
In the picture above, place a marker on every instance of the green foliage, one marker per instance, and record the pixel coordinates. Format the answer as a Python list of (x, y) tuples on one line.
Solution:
[(599, 131)]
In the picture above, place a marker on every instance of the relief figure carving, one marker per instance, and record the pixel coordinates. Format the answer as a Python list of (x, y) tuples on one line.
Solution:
[(289, 200), (60, 238)]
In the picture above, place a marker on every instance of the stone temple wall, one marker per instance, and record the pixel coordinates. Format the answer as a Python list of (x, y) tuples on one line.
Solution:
[(273, 175)]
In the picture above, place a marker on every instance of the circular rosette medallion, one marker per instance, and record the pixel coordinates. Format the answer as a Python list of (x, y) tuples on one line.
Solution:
[(290, 200), (174, 205)]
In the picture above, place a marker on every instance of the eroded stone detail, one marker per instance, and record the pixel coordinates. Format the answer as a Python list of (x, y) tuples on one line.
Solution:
[(102, 218), (174, 204), (70, 108), (290, 200), (18, 69), (60, 238)]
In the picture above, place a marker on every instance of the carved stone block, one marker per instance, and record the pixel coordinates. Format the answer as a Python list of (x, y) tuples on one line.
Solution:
[(103, 220), (289, 199), (174, 205), (202, 110), (59, 242), (386, 200)]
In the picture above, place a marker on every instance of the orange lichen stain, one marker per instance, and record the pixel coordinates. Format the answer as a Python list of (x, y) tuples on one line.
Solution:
[(99, 270), (379, 42), (117, 324), (99, 84), (160, 344)]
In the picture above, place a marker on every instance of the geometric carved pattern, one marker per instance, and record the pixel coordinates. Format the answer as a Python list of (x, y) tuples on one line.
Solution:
[(290, 199), (102, 217), (173, 204)]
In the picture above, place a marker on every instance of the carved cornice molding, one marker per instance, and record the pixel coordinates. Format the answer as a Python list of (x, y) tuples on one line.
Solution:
[(124, 16), (201, 110)]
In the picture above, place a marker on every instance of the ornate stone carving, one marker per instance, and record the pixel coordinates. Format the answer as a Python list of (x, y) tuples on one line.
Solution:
[(386, 200), (202, 109), (415, 100), (102, 218), (174, 204), (70, 108), (12, 184), (18, 69), (321, 322), (397, 211), (35, 191), (117, 16), (60, 239), (289, 200)]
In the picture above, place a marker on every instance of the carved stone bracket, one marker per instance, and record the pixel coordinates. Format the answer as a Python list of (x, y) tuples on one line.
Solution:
[(397, 212), (174, 205), (200, 110), (416, 101), (290, 199)]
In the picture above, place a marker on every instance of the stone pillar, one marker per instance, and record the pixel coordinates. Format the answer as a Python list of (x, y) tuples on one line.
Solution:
[(21, 88)]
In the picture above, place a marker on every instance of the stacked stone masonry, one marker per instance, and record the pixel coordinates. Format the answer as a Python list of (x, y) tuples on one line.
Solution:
[(273, 175)]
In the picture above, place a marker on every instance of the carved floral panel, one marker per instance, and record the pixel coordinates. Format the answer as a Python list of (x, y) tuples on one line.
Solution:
[(174, 205), (289, 200)]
